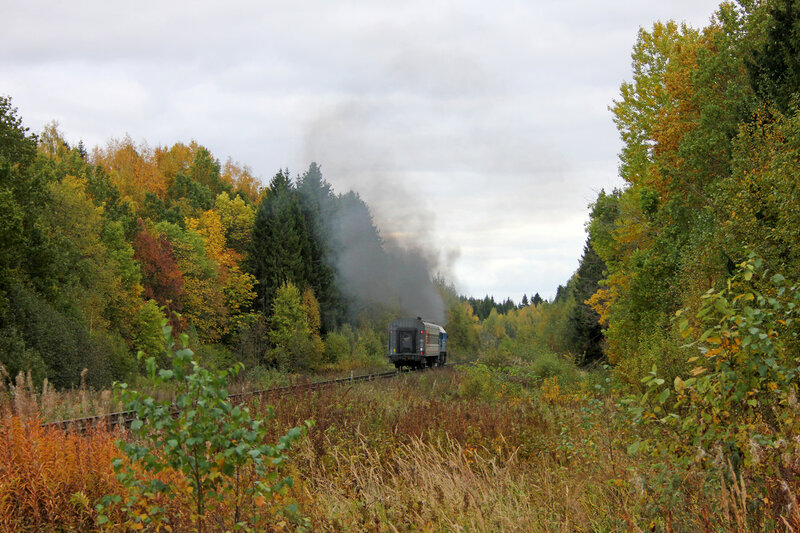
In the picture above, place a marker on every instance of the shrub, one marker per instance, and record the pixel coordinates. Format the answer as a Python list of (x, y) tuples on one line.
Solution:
[(16, 357), (499, 357), (250, 342), (739, 401), (60, 340), (215, 356), (546, 364), (217, 447), (337, 347), (49, 476), (479, 383), (108, 359)]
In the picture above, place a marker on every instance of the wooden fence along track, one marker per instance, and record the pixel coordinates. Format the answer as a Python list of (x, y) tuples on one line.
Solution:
[(123, 419)]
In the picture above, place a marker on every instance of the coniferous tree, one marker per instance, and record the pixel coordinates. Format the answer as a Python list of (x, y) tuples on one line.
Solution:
[(319, 207), (280, 250), (584, 322)]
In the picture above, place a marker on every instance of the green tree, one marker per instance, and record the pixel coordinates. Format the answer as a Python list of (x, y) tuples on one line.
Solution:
[(290, 332), (280, 248), (319, 206), (288, 315), (584, 321), (202, 435), (205, 170), (147, 335), (190, 195), (22, 194), (775, 66)]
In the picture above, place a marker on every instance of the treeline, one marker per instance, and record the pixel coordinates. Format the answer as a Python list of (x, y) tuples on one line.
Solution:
[(98, 248), (710, 130), (565, 325), (484, 306)]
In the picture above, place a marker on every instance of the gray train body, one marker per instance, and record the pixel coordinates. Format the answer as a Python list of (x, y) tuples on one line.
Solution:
[(416, 343)]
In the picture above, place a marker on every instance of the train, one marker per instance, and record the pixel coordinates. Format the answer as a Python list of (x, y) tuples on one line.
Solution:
[(416, 343)]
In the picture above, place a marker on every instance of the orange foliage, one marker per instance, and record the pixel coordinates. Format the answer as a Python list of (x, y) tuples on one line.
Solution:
[(242, 179), (174, 160), (680, 114), (50, 479), (133, 169)]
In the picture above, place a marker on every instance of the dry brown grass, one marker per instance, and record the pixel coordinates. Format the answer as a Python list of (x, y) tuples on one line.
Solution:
[(420, 453), (437, 486), (413, 455)]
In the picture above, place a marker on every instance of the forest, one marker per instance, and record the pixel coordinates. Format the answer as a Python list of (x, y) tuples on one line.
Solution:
[(100, 248), (657, 390)]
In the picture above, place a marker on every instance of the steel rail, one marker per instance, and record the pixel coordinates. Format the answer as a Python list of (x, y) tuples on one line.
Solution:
[(124, 419)]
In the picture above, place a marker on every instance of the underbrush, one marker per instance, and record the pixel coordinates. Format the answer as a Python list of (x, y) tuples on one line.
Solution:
[(526, 453), (533, 446)]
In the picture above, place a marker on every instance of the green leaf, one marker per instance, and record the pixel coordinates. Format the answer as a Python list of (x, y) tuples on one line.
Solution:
[(634, 447), (663, 396)]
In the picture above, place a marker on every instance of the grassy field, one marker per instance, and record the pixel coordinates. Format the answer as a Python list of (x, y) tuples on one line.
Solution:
[(534, 447)]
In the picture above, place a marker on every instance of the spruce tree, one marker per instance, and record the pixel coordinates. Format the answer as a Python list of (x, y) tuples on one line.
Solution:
[(587, 333), (319, 206), (280, 250)]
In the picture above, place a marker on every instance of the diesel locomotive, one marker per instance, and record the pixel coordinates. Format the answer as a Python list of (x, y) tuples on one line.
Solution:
[(416, 343)]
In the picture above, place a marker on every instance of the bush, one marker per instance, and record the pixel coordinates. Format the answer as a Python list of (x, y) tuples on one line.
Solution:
[(546, 364), (215, 356), (217, 447), (479, 383), (16, 357), (109, 359), (250, 344), (61, 340), (498, 357), (337, 347), (740, 398)]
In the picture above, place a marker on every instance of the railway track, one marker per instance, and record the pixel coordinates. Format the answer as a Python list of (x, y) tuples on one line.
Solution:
[(123, 419)]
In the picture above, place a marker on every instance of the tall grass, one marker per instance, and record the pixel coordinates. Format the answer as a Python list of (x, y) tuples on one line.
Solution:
[(530, 454), (536, 450)]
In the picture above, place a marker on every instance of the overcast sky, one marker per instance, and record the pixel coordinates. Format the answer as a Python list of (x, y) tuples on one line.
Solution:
[(478, 129)]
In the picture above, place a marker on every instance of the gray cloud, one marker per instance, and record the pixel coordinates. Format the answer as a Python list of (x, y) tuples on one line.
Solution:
[(492, 124)]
